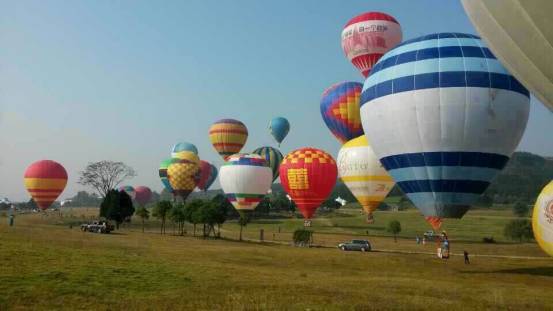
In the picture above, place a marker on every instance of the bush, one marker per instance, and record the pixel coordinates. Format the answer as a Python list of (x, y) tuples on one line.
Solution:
[(490, 240), (303, 237), (519, 229), (520, 209)]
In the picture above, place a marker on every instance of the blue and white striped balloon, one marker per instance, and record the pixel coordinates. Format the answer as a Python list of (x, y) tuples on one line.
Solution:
[(444, 116)]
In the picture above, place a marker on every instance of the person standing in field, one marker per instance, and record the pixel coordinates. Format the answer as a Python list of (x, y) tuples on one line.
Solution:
[(466, 254)]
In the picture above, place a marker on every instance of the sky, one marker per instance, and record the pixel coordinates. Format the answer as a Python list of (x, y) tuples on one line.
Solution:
[(84, 81)]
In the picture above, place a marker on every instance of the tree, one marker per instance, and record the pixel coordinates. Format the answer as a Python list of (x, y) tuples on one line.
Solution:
[(105, 175), (193, 213), (32, 204), (520, 209), (519, 229), (243, 221), (143, 213), (83, 198), (177, 214), (394, 227), (160, 211), (116, 206)]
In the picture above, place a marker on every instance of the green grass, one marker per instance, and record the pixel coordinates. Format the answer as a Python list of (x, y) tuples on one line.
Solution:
[(46, 265)]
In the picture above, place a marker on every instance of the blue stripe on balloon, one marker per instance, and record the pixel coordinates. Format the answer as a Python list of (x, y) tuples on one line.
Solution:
[(443, 80), (454, 64), (443, 172), (432, 199), (443, 185), (434, 40), (448, 158), (433, 53)]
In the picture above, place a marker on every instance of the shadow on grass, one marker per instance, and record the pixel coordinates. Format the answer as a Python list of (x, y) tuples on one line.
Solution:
[(539, 271)]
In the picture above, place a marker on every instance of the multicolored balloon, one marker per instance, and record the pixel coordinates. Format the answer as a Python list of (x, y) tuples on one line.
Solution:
[(208, 174), (245, 179), (365, 177), (143, 195), (129, 190), (308, 175), (444, 116), (519, 34), (272, 156), (279, 128), (340, 110), (183, 173), (367, 37), (228, 136), (45, 181), (184, 146), (542, 219), (163, 174)]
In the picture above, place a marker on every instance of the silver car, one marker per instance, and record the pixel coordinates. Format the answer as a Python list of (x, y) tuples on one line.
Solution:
[(355, 245)]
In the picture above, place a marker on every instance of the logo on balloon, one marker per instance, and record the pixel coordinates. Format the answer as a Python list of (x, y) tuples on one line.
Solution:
[(548, 211), (298, 179)]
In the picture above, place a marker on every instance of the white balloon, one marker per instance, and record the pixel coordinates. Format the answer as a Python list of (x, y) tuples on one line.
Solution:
[(245, 179), (520, 33)]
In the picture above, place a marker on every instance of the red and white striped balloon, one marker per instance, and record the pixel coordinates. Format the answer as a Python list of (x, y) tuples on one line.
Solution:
[(367, 37)]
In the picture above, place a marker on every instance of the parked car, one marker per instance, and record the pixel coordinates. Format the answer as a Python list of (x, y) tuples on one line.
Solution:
[(429, 235), (355, 245), (99, 226)]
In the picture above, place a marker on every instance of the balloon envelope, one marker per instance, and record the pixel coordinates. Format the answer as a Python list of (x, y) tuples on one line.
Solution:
[(183, 173), (542, 219), (143, 195), (163, 174), (228, 136), (340, 110), (365, 177), (245, 179), (366, 37), (129, 190), (443, 116), (45, 181), (520, 34), (308, 175), (279, 128), (273, 158), (184, 146), (208, 174)]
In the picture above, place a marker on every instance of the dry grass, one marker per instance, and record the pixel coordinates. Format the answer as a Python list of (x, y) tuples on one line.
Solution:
[(48, 266)]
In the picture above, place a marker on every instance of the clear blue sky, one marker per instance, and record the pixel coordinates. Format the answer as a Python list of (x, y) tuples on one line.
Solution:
[(85, 81)]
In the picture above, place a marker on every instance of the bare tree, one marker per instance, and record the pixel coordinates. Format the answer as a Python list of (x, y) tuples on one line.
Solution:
[(105, 175)]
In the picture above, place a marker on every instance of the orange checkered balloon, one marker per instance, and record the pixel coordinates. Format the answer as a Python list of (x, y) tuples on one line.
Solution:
[(308, 175)]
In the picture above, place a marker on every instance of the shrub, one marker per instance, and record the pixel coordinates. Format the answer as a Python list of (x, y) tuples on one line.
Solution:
[(303, 237), (488, 239)]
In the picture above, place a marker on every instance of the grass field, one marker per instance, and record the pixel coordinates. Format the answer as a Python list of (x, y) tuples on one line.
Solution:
[(46, 265)]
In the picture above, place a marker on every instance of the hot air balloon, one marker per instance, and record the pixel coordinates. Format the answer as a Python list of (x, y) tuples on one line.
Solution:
[(183, 173), (163, 174), (443, 116), (279, 128), (45, 181), (272, 156), (542, 219), (361, 171), (308, 175), (367, 37), (129, 190), (245, 179), (434, 222), (519, 34), (228, 136), (340, 110), (143, 195), (184, 146), (208, 174)]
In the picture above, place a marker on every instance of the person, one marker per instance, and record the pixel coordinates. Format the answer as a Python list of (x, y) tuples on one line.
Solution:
[(424, 241), (466, 254), (418, 240)]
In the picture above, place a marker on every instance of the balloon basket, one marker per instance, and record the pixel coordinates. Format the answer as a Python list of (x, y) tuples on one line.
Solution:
[(307, 223)]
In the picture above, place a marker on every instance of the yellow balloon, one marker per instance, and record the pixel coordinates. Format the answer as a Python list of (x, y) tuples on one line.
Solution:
[(183, 173), (542, 219), (361, 171)]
